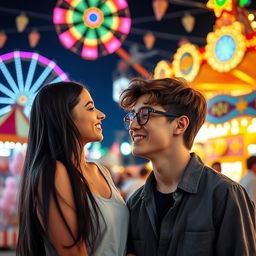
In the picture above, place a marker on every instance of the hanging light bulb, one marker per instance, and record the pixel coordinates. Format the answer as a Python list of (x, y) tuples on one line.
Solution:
[(149, 40), (160, 7), (33, 38), (3, 38), (188, 21), (21, 22)]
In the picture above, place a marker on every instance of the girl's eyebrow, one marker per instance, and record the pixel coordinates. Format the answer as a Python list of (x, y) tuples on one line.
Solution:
[(89, 102)]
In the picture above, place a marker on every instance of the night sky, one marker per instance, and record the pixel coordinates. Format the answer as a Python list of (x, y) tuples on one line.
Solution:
[(98, 75)]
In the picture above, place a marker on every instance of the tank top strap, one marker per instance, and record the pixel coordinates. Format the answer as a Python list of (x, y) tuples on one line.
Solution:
[(105, 173)]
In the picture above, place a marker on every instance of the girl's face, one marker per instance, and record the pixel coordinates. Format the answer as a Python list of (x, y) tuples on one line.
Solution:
[(88, 119)]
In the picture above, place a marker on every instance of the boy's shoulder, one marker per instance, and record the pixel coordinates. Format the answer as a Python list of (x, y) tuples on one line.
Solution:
[(135, 197)]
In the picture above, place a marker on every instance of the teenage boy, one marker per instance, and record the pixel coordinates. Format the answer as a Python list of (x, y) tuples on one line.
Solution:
[(185, 208)]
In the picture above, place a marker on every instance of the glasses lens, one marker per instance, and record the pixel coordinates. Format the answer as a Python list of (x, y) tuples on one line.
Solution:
[(143, 116), (128, 119)]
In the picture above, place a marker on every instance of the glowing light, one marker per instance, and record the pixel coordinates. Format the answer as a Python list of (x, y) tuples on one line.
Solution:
[(244, 122), (232, 170), (187, 62), (92, 23), (251, 17), (225, 47), (163, 70), (126, 148), (219, 6), (252, 149), (235, 130)]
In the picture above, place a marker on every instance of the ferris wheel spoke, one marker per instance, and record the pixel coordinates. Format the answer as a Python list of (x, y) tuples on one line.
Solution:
[(19, 72), (8, 77), (5, 110), (56, 80), (27, 110), (42, 78), (7, 92), (6, 100), (31, 72)]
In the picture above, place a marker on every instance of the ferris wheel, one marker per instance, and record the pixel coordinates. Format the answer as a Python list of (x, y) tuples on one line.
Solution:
[(22, 74)]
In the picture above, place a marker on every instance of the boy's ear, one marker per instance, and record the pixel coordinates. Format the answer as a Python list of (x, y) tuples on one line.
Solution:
[(181, 125)]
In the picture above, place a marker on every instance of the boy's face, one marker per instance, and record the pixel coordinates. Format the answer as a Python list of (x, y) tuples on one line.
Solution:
[(155, 137)]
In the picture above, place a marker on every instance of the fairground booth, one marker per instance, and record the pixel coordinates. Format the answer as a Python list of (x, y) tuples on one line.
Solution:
[(224, 71)]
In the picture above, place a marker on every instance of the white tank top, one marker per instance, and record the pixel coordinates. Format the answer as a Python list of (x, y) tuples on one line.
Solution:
[(114, 222)]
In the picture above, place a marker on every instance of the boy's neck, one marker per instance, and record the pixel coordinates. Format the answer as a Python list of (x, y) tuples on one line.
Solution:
[(168, 170)]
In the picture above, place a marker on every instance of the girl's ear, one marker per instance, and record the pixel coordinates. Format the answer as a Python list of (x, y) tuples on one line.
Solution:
[(181, 125)]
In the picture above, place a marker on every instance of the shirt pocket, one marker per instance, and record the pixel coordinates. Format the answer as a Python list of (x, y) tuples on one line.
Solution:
[(139, 247), (198, 244)]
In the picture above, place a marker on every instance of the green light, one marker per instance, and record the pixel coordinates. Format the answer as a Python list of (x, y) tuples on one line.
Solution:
[(102, 31), (108, 22), (81, 6), (91, 34), (243, 3), (81, 28), (77, 17), (220, 2)]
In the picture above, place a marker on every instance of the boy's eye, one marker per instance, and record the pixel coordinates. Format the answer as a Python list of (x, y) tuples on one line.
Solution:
[(92, 108)]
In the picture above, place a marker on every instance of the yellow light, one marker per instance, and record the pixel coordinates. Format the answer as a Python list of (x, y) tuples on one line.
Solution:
[(253, 24), (234, 123), (244, 122), (227, 126), (233, 170), (235, 130), (251, 16)]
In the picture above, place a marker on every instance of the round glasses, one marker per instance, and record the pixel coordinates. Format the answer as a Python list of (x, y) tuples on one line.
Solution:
[(143, 116)]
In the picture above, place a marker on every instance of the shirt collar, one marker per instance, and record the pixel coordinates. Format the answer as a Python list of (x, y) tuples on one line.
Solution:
[(189, 181)]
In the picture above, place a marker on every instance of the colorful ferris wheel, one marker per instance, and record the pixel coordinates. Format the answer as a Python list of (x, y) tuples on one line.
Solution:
[(22, 74), (92, 28)]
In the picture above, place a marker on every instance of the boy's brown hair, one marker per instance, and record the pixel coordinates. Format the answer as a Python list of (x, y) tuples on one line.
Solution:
[(175, 96)]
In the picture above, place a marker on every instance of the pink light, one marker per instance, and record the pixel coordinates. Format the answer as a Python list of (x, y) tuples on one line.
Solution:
[(67, 39), (121, 4), (112, 45), (44, 60), (90, 52), (124, 25), (59, 16), (27, 55), (68, 1), (7, 56), (58, 70)]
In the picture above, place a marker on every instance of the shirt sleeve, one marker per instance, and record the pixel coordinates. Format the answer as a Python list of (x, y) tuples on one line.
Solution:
[(234, 219)]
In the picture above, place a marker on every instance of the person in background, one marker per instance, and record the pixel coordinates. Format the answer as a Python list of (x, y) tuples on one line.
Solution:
[(249, 179), (134, 183), (68, 205), (216, 166), (184, 208)]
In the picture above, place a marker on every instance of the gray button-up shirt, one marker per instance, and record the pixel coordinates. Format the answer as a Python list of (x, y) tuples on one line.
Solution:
[(211, 215)]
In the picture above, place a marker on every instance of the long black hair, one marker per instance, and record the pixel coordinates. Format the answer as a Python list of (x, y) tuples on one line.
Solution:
[(53, 137)]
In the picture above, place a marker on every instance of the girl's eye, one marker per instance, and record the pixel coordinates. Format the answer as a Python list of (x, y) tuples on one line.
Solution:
[(91, 108)]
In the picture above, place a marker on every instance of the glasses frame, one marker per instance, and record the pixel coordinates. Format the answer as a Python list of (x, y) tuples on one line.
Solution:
[(150, 110)]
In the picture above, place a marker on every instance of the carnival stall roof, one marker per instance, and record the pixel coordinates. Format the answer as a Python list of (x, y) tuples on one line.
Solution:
[(226, 64)]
